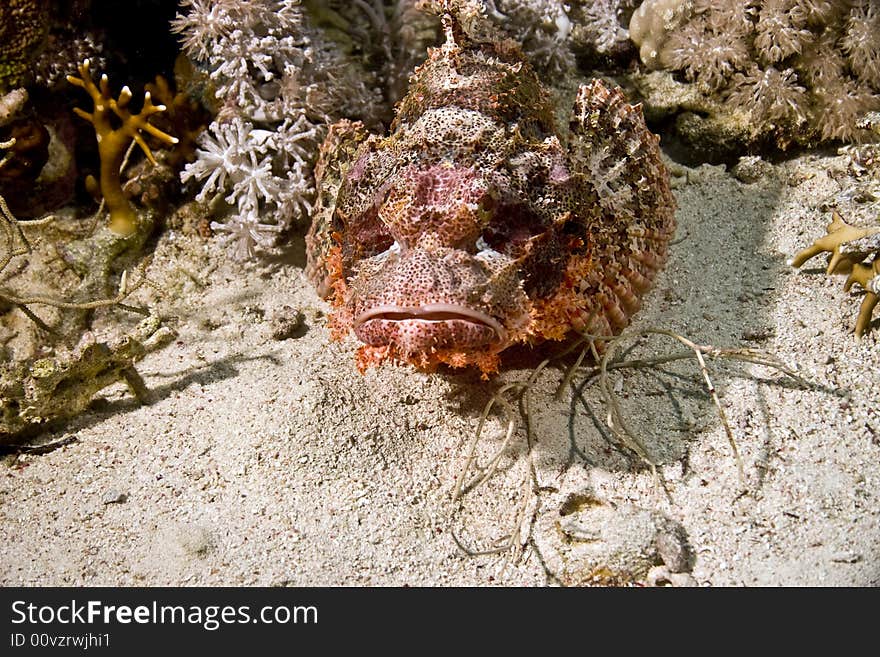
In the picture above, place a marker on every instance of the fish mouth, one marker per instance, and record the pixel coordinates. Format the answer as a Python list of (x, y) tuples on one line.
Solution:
[(436, 313)]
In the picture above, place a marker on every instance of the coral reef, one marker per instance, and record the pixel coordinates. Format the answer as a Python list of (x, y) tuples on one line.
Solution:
[(543, 27), (40, 170), (390, 37), (14, 243), (777, 72), (26, 142), (276, 82), (600, 26), (183, 117), (11, 104), (92, 259), (553, 33), (62, 55), (653, 22), (476, 224), (247, 162), (51, 382), (29, 153), (24, 25), (72, 37)]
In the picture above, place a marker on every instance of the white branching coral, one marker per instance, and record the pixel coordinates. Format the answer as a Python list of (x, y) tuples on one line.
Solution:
[(277, 83), (262, 173), (244, 233), (391, 37), (222, 154), (204, 25)]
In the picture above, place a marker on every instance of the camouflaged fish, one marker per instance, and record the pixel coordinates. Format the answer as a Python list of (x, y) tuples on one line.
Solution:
[(477, 224)]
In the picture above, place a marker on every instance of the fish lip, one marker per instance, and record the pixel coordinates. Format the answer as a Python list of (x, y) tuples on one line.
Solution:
[(440, 312)]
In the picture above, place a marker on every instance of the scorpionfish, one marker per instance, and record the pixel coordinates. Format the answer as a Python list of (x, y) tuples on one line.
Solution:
[(476, 224)]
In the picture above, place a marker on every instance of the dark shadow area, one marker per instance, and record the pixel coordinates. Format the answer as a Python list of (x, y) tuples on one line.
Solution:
[(293, 251), (667, 417), (137, 36), (683, 151), (665, 408)]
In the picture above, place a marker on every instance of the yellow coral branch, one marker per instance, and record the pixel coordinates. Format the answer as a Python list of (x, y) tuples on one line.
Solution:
[(113, 142), (838, 233), (868, 276)]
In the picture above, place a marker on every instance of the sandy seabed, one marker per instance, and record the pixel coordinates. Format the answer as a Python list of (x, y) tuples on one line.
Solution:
[(275, 462)]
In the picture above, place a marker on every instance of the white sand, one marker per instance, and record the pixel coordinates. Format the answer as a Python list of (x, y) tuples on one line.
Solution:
[(276, 462)]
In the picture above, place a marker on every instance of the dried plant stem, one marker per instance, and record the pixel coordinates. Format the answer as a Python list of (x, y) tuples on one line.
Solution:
[(13, 236), (125, 290), (6, 156), (484, 473), (577, 344), (710, 387), (521, 388), (510, 541), (43, 448), (615, 418), (72, 305), (15, 243), (31, 315)]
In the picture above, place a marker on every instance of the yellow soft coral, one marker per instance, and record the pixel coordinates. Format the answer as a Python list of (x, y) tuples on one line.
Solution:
[(114, 141)]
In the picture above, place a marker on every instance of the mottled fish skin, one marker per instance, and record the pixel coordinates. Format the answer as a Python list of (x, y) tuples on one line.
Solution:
[(476, 224)]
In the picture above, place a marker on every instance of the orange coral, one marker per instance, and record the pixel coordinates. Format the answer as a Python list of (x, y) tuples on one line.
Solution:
[(114, 141), (184, 116)]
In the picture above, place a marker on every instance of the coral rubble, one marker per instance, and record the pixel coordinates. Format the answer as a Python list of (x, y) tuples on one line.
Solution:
[(554, 33), (44, 389)]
